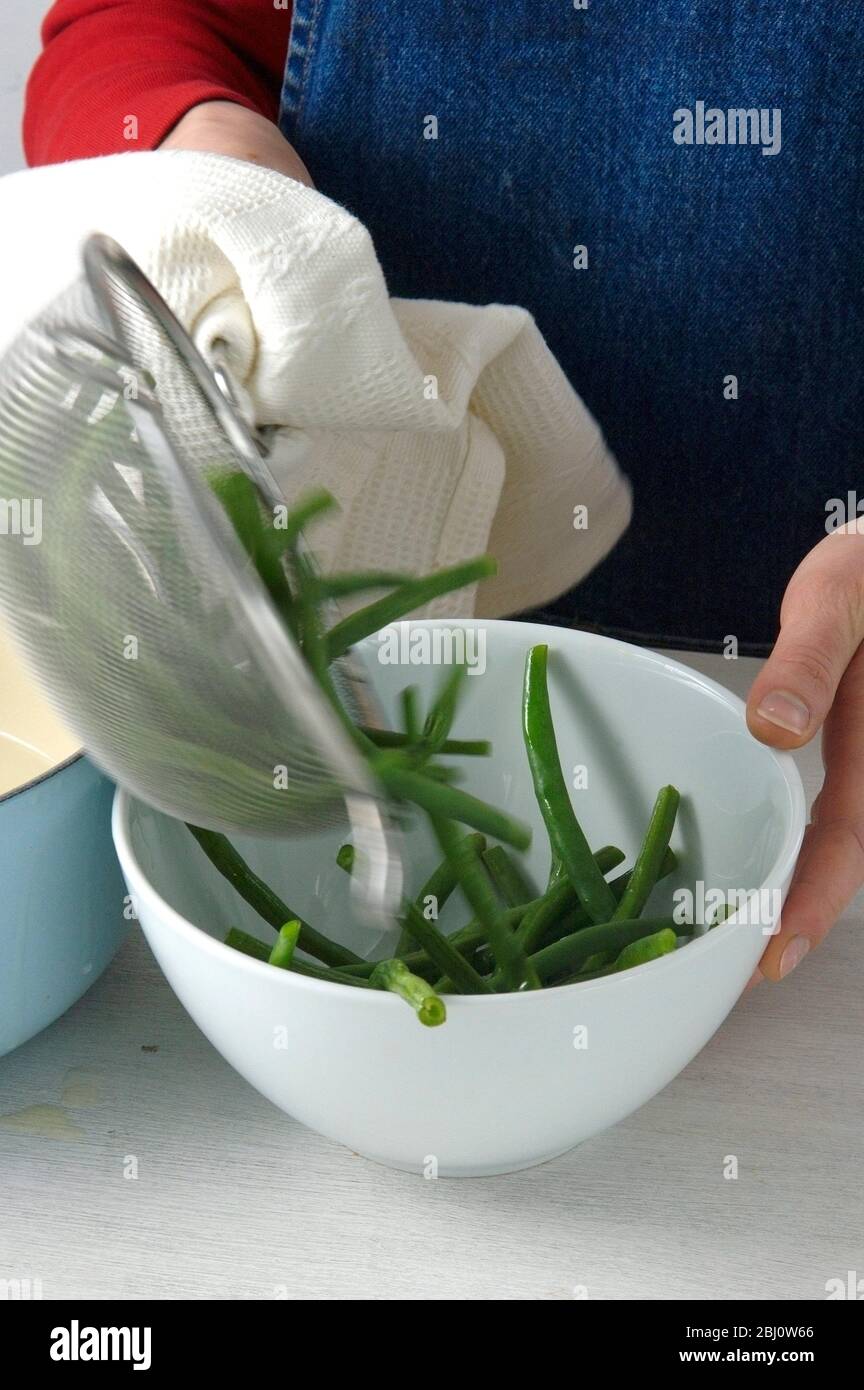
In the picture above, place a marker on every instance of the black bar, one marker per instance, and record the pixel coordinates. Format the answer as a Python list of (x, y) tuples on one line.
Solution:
[(62, 1337)]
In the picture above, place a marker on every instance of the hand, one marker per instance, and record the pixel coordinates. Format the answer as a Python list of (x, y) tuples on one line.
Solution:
[(223, 127), (813, 679)]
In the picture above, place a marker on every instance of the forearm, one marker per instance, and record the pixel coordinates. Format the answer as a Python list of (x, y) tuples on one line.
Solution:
[(118, 75)]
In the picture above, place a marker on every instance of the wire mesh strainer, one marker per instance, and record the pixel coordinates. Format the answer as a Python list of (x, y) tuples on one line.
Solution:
[(136, 607)]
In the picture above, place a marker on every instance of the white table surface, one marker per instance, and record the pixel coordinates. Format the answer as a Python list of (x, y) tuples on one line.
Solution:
[(234, 1200)]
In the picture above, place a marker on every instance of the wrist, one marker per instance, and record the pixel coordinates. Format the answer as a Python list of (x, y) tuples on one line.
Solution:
[(226, 127)]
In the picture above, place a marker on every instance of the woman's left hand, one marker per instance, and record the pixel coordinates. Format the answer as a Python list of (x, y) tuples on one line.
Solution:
[(814, 679)]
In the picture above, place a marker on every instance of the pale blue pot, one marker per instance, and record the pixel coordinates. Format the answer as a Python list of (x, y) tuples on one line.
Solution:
[(61, 896)]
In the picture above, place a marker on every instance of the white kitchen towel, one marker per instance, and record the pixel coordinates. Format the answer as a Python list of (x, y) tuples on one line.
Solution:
[(442, 429)]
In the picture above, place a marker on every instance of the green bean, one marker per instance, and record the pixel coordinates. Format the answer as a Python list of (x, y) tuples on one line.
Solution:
[(509, 956), (508, 876), (312, 505), (557, 870), (330, 975), (451, 802), (251, 946), (579, 917), (572, 951), (648, 948), (242, 504), (541, 915), (439, 721), (437, 772), (439, 885), (331, 586), (307, 596), (463, 747), (312, 641), (314, 646), (409, 701), (596, 964), (608, 857), (224, 857), (417, 927), (405, 599), (565, 833), (283, 952), (637, 953), (646, 870), (444, 955), (466, 941), (574, 930), (472, 942), (545, 911), (270, 547), (471, 937), (241, 501), (395, 976)]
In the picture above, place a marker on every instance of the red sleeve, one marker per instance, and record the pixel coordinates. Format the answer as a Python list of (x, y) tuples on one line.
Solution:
[(106, 60)]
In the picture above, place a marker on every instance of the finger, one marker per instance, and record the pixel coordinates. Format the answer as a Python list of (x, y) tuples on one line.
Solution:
[(830, 868), (821, 625)]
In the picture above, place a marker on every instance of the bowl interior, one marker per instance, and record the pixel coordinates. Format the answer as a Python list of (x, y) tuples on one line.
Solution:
[(32, 739), (628, 721)]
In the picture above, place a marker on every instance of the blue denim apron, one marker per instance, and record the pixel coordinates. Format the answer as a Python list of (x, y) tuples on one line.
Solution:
[(561, 127)]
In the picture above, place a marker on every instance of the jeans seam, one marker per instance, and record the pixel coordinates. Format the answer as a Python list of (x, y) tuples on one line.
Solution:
[(303, 29)]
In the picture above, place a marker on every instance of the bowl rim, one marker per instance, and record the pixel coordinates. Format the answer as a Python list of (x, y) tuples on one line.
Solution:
[(53, 767), (140, 886), (41, 776)]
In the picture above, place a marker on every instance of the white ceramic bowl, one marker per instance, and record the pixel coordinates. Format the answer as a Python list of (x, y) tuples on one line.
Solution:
[(510, 1080)]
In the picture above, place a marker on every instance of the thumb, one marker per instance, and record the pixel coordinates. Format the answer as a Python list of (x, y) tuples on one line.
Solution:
[(821, 621)]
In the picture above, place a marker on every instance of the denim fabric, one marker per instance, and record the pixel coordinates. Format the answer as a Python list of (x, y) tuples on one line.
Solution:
[(555, 128)]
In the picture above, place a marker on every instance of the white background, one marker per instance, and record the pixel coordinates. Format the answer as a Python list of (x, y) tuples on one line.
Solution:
[(21, 21)]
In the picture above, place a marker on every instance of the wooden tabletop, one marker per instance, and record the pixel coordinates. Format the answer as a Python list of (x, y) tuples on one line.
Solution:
[(135, 1163)]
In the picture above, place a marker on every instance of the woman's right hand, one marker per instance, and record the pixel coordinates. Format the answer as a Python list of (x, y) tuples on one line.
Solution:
[(223, 127)]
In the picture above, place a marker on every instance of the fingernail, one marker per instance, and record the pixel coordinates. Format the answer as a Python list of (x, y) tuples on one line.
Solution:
[(793, 955), (786, 710)]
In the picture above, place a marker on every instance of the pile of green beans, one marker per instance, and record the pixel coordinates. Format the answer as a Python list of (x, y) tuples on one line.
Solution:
[(582, 926)]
